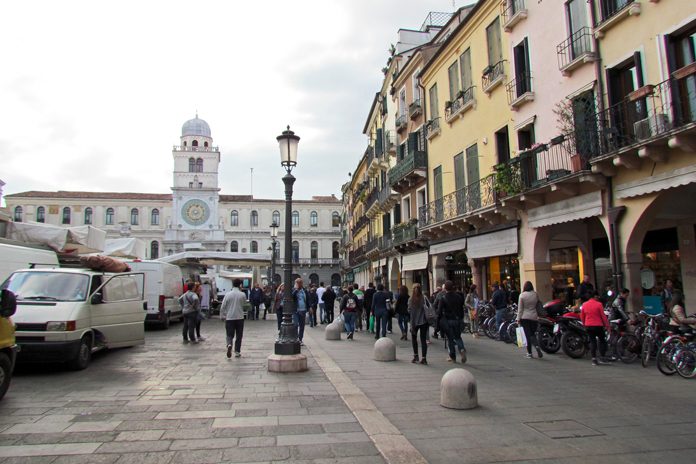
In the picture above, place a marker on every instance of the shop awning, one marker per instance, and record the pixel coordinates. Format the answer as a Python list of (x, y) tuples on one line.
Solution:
[(448, 247), (500, 243), (415, 261), (572, 209), (664, 181)]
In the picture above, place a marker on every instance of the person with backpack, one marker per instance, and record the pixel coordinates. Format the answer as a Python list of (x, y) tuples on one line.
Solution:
[(451, 309), (417, 305), (349, 308), (360, 293)]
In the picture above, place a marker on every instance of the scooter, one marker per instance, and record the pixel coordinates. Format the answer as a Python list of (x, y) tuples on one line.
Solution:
[(549, 329)]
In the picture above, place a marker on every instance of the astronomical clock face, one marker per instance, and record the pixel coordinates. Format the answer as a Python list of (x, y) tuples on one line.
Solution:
[(195, 212)]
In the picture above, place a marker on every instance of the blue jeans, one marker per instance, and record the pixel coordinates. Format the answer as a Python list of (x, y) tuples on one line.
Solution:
[(453, 330), (349, 318), (403, 323), (499, 317), (381, 316), (300, 317), (322, 319)]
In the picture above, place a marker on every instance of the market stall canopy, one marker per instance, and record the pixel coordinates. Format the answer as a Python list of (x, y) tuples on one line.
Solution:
[(212, 258), (80, 239), (125, 247)]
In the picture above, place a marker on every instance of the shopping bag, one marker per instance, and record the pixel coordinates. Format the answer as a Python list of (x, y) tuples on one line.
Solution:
[(262, 306), (521, 337), (372, 323)]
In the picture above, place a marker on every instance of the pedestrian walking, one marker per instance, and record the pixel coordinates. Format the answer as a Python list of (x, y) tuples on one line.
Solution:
[(390, 309), (527, 317), (401, 309), (499, 302), (301, 298), (367, 312), (419, 323), (329, 300), (278, 304), (596, 323), (379, 308), (191, 306), (313, 302), (472, 302), (360, 293), (206, 299), (451, 309), (255, 299), (268, 297), (349, 308), (233, 305), (320, 297)]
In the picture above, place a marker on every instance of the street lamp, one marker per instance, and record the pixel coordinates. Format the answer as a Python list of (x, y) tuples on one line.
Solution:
[(287, 342), (274, 236)]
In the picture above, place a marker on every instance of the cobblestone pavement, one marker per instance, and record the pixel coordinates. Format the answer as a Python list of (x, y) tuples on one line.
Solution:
[(167, 402)]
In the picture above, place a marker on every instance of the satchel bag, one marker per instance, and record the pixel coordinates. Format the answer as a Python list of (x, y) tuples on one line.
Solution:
[(541, 312)]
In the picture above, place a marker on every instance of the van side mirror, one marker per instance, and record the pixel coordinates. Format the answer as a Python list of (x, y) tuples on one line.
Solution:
[(97, 298), (8, 303)]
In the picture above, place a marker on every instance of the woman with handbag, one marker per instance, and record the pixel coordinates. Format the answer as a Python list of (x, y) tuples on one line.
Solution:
[(416, 307), (527, 317)]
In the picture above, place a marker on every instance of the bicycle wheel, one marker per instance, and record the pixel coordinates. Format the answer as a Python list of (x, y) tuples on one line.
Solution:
[(685, 363), (628, 348), (512, 332), (645, 350), (665, 357)]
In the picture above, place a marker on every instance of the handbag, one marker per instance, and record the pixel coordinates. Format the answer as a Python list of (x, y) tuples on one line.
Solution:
[(521, 337), (430, 313), (541, 312), (372, 323)]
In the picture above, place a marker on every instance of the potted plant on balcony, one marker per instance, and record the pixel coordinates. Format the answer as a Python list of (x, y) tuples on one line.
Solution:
[(505, 182)]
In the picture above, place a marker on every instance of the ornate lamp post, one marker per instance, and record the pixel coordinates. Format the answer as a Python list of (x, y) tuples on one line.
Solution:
[(274, 236), (287, 342)]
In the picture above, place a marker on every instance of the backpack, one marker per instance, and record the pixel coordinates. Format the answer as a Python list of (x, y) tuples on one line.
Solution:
[(350, 302), (430, 312)]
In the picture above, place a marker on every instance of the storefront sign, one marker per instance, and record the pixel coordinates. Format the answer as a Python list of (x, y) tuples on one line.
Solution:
[(415, 261), (500, 243), (572, 209), (448, 247)]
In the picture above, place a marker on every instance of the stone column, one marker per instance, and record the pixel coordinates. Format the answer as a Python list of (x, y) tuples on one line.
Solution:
[(687, 253), (539, 274), (631, 265)]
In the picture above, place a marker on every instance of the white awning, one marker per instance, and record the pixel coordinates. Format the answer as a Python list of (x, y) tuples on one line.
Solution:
[(211, 258), (572, 209), (664, 181), (125, 247), (500, 243), (79, 239), (415, 261), (448, 247)]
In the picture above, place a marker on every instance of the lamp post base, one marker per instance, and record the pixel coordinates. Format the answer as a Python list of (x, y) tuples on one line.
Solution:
[(287, 347), (287, 363)]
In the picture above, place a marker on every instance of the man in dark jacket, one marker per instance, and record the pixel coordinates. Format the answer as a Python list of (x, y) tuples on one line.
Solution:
[(451, 309), (379, 308), (369, 294), (329, 297), (586, 289), (499, 302), (255, 298)]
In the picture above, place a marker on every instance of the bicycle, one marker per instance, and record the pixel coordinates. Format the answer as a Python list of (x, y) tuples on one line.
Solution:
[(650, 337)]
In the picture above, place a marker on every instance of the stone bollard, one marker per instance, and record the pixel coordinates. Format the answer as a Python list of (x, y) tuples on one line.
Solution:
[(332, 331), (340, 323), (458, 390), (385, 350)]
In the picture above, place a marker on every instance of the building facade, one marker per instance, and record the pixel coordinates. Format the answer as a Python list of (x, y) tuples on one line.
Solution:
[(195, 216)]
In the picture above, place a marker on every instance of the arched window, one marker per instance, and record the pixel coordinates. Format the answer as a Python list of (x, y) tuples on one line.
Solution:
[(313, 219), (134, 216), (295, 218), (254, 247), (40, 214), (295, 251), (88, 216), (234, 247), (334, 250), (109, 219), (234, 218), (205, 144), (314, 250), (276, 217), (66, 215), (18, 214), (313, 279), (336, 280), (192, 165), (184, 142), (154, 217), (154, 250), (194, 143), (254, 218), (199, 165), (335, 219)]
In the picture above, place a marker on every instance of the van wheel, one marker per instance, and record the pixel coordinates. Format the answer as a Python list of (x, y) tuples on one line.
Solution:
[(165, 322), (5, 374), (84, 355)]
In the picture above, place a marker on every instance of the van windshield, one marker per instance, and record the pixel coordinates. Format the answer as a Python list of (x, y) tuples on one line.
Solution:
[(48, 286)]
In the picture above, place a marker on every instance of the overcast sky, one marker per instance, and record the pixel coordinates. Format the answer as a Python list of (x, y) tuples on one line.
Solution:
[(93, 94)]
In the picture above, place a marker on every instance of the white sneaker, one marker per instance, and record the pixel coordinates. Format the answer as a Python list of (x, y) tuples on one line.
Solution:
[(237, 354)]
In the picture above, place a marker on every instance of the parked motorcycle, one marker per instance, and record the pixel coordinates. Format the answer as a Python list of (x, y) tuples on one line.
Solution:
[(548, 331)]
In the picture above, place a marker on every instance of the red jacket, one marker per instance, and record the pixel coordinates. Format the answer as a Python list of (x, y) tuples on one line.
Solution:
[(592, 314)]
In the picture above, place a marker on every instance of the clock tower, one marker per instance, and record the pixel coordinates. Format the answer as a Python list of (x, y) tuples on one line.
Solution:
[(195, 222)]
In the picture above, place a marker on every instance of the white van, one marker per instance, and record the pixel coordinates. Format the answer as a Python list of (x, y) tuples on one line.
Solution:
[(64, 315), (18, 256), (164, 285)]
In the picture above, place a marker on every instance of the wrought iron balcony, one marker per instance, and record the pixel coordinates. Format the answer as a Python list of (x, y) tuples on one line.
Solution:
[(414, 166), (575, 50), (404, 232), (492, 76), (401, 122), (390, 142), (613, 11), (432, 128), (415, 109), (519, 90), (462, 102), (359, 224), (356, 256), (387, 198), (385, 243), (372, 246), (460, 203), (373, 196), (512, 12)]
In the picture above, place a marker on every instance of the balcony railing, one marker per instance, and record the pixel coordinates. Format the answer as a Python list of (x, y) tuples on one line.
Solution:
[(577, 46), (189, 148), (359, 224), (610, 8), (493, 75), (519, 89), (371, 245), (362, 186), (356, 256), (390, 142), (415, 109), (405, 232), (512, 11), (410, 163), (373, 196), (463, 101), (385, 242), (401, 122), (432, 128), (462, 202)]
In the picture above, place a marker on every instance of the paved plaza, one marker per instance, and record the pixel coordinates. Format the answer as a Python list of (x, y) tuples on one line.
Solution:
[(166, 402)]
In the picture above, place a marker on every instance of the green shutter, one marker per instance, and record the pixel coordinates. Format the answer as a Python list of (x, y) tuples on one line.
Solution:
[(412, 142), (379, 142)]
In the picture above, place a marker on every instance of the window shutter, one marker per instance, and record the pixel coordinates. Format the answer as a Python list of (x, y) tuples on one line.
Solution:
[(379, 142), (412, 142)]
